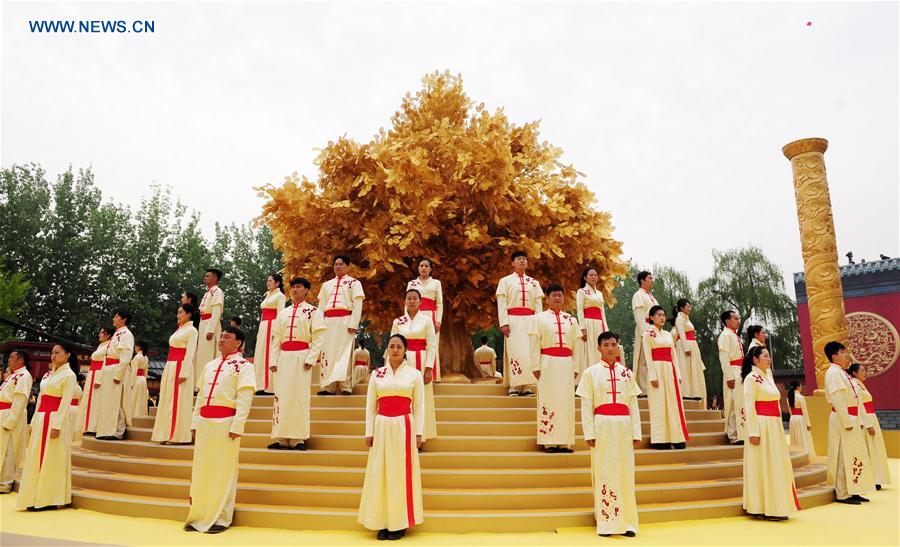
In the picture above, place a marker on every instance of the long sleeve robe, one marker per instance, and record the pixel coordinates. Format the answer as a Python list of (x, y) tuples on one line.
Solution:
[(419, 332), (432, 305), (89, 406), (874, 443), (799, 425), (211, 308), (361, 361), (692, 367), (518, 300), (667, 420), (341, 301), (641, 302), (139, 392), (731, 356), (486, 358), (849, 467), (553, 338), (271, 306), (176, 388), (589, 308), (14, 394), (114, 395)]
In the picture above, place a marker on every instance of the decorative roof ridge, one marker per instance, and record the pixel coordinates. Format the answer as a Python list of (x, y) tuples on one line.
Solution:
[(863, 268)]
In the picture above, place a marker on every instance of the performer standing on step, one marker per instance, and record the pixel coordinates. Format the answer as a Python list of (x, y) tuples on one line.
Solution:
[(486, 358), (191, 298), (361, 362), (641, 303), (849, 467), (391, 498), (693, 382), (874, 437), (220, 414), (731, 358), (432, 305), (668, 427), (769, 490), (421, 345), (176, 386), (757, 336), (212, 307), (47, 469), (114, 397), (341, 300), (518, 300), (139, 392), (298, 332), (89, 405), (272, 304), (591, 319), (14, 393), (612, 428), (799, 425)]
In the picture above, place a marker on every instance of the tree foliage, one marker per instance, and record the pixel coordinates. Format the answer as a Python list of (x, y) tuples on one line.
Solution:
[(450, 181)]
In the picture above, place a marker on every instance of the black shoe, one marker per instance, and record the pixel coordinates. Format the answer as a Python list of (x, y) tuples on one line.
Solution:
[(108, 438), (382, 534), (604, 535), (44, 508), (630, 534), (392, 536), (857, 497), (420, 449), (189, 528), (551, 449), (300, 446), (89, 434), (877, 487), (527, 393), (565, 450), (737, 443), (660, 446), (849, 501), (260, 392), (216, 529), (345, 392), (324, 392), (679, 446), (276, 446), (767, 517)]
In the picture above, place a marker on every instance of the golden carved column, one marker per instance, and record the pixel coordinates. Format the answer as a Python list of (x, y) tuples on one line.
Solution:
[(824, 292)]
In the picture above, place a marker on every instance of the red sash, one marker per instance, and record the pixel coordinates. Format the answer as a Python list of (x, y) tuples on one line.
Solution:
[(519, 311), (737, 362), (391, 407), (96, 365), (796, 412), (851, 410), (176, 355), (557, 351), (593, 313), (110, 362), (661, 354), (74, 402), (870, 407), (767, 408), (690, 335), (205, 316), (665, 354), (484, 362), (612, 409), (361, 363), (5, 406), (337, 313), (217, 411), (49, 405), (294, 345), (269, 314), (418, 346), (428, 304), (141, 372), (394, 405)]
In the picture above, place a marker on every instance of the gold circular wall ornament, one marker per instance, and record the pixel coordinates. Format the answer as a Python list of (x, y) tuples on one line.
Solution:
[(874, 341)]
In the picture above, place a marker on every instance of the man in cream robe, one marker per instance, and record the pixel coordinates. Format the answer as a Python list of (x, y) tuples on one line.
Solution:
[(14, 393), (731, 356), (298, 334), (554, 334), (212, 305), (612, 428), (361, 362), (220, 414), (341, 301), (518, 300), (849, 467), (486, 358), (114, 411), (641, 303)]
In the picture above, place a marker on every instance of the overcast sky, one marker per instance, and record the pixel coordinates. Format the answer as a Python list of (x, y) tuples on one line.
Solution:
[(676, 112)]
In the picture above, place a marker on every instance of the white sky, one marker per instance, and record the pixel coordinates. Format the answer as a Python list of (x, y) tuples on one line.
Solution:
[(676, 112)]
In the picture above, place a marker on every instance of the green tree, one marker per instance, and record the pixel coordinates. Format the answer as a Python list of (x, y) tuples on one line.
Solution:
[(13, 289)]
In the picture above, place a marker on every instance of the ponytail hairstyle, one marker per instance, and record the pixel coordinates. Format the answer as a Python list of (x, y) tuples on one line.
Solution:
[(852, 370), (279, 280), (791, 389), (747, 365), (584, 275), (752, 331)]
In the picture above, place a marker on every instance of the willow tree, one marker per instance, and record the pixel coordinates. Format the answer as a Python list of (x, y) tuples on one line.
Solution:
[(452, 182)]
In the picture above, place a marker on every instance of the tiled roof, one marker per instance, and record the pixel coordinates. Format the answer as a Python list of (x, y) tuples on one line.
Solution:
[(851, 270)]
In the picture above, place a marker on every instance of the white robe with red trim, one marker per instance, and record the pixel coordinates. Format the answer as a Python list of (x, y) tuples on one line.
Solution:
[(47, 469), (612, 457), (768, 473), (516, 292), (173, 411), (392, 488), (140, 395), (89, 406), (591, 322), (486, 358), (874, 443), (361, 360), (14, 391), (421, 328), (271, 306), (799, 426), (342, 295), (641, 303), (555, 332), (849, 467), (667, 420), (114, 397), (212, 303), (431, 289), (693, 383), (732, 349)]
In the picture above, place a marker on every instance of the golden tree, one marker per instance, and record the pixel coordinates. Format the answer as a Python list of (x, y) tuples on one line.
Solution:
[(452, 182)]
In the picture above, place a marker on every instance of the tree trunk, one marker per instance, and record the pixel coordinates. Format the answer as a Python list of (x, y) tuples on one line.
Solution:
[(456, 352)]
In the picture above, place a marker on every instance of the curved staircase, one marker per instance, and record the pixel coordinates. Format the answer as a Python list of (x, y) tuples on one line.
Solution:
[(484, 473)]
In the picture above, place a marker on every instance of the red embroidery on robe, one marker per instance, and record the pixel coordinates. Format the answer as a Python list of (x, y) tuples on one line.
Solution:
[(547, 425)]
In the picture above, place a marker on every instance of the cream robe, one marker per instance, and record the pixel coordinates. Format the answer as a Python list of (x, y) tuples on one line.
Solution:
[(693, 382), (113, 400), (523, 295), (800, 435), (667, 420), (271, 306), (753, 343), (486, 358), (432, 297), (139, 392), (297, 326), (849, 467), (731, 350), (586, 351), (553, 339), (614, 429), (14, 391), (47, 469), (89, 405), (874, 443), (212, 305), (74, 407), (173, 411), (641, 303), (341, 300), (361, 361), (392, 487), (421, 328), (768, 473), (229, 381)]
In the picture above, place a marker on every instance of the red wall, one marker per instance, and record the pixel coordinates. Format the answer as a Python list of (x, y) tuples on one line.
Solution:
[(883, 387)]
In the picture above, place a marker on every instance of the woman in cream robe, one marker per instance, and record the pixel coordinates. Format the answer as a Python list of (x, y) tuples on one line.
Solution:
[(799, 424), (667, 421), (272, 304), (875, 439), (432, 305), (418, 330), (139, 392), (693, 383), (176, 386), (591, 319)]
